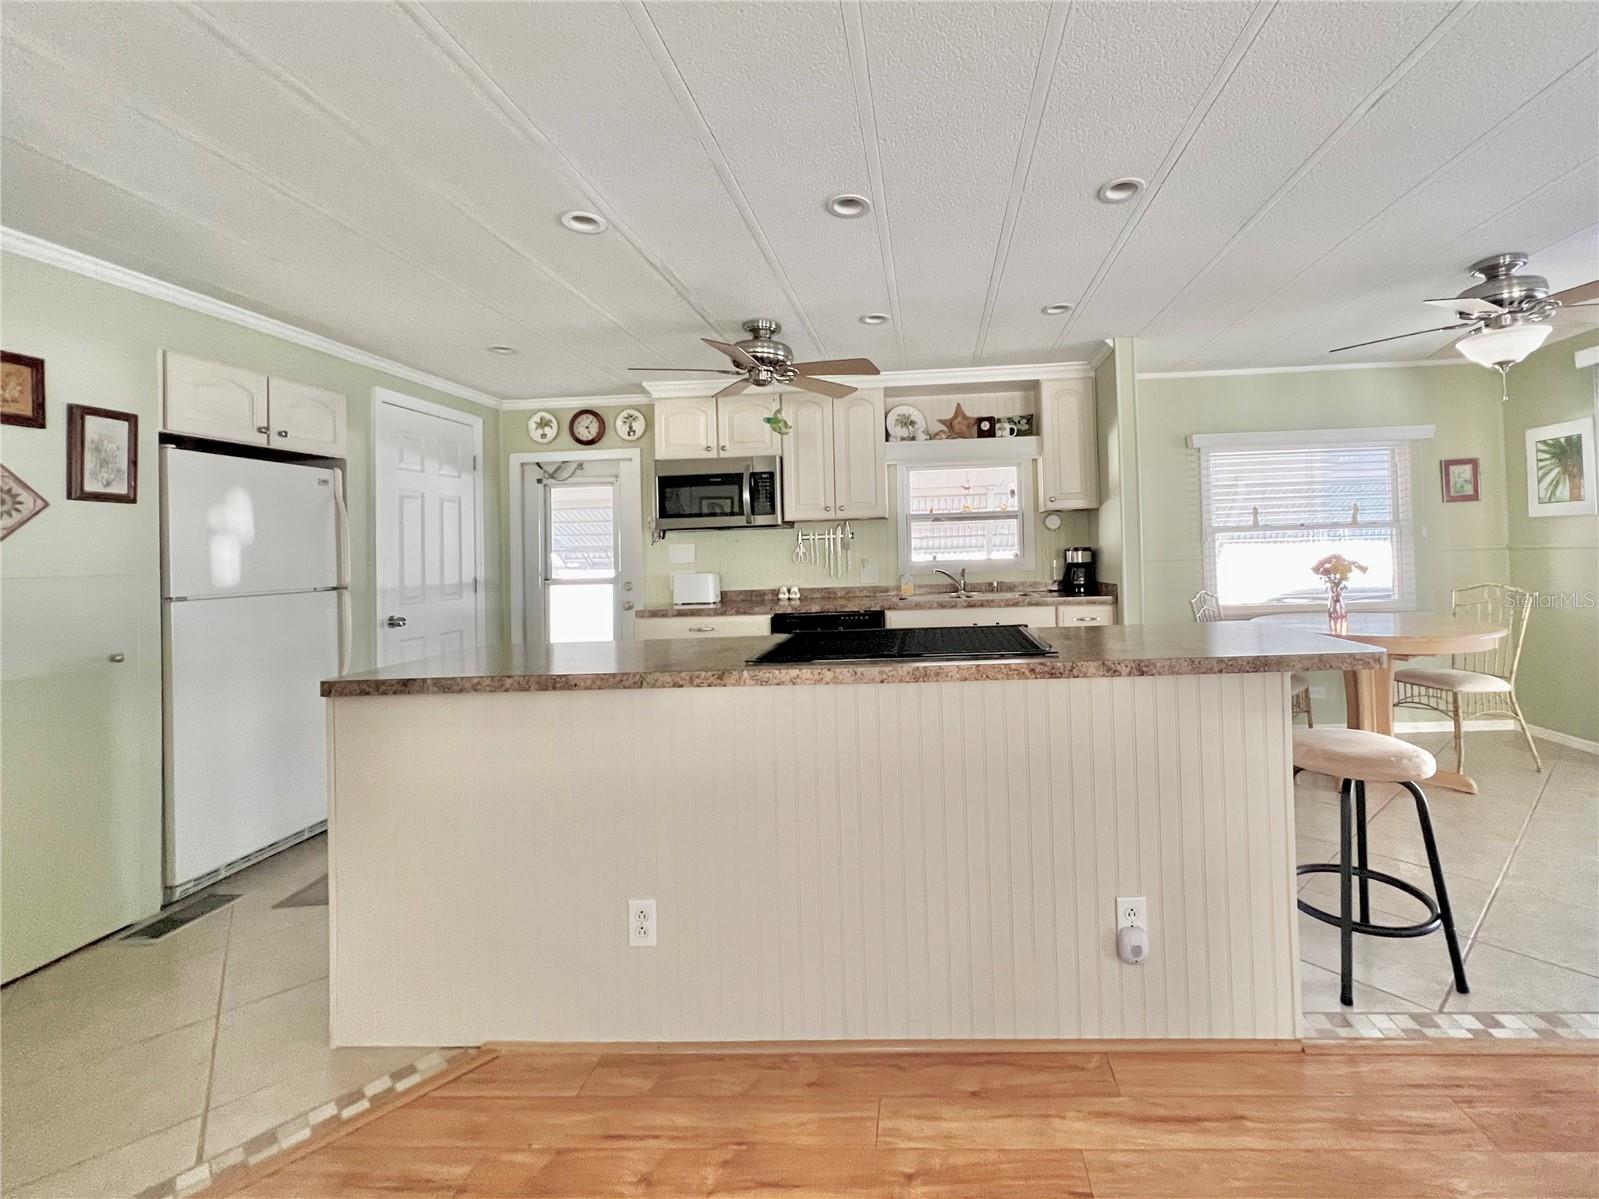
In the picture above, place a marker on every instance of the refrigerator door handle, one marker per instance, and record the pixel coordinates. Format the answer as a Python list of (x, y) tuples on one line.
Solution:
[(342, 520), (346, 633)]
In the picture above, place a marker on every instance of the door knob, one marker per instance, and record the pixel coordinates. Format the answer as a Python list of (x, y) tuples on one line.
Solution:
[(395, 622)]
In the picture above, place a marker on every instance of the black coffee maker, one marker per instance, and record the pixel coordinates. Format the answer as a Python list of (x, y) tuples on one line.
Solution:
[(1079, 578)]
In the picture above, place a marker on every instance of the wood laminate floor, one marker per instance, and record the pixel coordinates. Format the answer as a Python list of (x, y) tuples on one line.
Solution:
[(980, 1124)]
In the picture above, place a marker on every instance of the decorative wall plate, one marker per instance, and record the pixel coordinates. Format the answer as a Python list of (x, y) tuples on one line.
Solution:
[(630, 424), (19, 503), (906, 422), (543, 428)]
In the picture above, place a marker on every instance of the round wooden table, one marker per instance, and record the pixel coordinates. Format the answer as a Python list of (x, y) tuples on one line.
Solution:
[(1369, 694)]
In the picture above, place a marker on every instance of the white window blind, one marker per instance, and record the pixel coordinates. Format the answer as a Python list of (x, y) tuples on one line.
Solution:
[(963, 515), (1271, 512)]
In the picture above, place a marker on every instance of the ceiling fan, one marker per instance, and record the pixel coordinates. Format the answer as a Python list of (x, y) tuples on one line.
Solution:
[(763, 361), (1507, 314)]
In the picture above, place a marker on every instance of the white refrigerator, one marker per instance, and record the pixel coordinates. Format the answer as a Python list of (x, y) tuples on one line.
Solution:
[(255, 614)]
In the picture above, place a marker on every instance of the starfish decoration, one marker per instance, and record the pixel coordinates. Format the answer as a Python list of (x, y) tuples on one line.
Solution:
[(960, 425)]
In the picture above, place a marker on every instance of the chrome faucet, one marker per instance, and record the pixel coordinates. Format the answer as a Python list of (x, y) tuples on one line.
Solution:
[(960, 583)]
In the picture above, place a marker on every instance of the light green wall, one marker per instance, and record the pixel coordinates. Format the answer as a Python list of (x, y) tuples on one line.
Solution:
[(80, 760), (1557, 556), (760, 558), (1456, 544)]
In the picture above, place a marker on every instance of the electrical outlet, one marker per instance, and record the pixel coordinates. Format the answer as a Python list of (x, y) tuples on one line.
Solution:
[(640, 923), (1132, 911)]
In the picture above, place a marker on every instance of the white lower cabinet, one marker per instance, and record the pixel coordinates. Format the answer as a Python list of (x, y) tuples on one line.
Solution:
[(657, 628), (1070, 615), (1040, 616)]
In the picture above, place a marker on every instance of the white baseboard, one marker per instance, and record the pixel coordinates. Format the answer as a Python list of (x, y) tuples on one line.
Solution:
[(1489, 726)]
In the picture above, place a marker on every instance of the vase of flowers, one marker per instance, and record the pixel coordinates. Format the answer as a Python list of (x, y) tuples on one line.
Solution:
[(1334, 570)]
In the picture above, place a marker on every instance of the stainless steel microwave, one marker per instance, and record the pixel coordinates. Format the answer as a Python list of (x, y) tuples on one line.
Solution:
[(718, 493)]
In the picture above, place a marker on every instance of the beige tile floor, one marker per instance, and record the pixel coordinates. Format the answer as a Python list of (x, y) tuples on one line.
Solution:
[(127, 1063), (1521, 860)]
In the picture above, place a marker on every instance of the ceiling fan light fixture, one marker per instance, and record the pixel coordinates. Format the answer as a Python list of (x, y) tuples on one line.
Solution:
[(1119, 191), (1055, 309), (584, 222), (875, 318), (1503, 347), (848, 205)]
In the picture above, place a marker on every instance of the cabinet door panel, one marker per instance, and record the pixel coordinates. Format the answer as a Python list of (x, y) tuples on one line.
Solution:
[(741, 425), (686, 428), (860, 486), (808, 458), (1070, 467), (308, 420), (657, 628), (209, 399)]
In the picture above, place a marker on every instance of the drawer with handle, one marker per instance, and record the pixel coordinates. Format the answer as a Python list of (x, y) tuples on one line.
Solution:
[(654, 628), (1098, 614)]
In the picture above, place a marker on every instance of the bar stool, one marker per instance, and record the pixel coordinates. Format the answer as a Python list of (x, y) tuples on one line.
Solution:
[(1357, 757)]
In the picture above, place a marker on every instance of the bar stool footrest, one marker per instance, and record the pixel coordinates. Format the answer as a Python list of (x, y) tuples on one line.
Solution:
[(1433, 922)]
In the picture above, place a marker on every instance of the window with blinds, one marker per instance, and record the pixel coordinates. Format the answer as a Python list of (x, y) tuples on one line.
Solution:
[(1271, 512), (955, 515)]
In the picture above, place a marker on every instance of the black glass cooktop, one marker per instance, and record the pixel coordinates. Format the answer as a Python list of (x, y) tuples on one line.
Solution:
[(966, 642)]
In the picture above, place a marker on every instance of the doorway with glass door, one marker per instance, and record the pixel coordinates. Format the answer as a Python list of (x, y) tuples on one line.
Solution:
[(581, 533)]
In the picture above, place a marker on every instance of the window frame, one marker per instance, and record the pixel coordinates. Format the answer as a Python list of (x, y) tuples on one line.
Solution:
[(1401, 486), (1026, 514)]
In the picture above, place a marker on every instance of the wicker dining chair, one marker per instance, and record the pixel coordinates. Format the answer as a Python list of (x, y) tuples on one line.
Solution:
[(1207, 609), (1479, 685)]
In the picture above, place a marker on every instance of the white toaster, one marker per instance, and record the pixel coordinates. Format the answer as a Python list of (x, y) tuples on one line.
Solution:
[(696, 587)]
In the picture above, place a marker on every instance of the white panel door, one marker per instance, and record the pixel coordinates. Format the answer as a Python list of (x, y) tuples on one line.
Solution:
[(686, 428), (860, 474), (741, 426), (246, 726), (308, 420), (427, 567), (1069, 428), (808, 457), (209, 399)]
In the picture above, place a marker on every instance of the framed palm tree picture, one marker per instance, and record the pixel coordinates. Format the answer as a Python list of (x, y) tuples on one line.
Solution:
[(1560, 469)]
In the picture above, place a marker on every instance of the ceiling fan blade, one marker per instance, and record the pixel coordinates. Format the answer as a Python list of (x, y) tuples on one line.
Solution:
[(821, 387), (739, 357), (698, 370), (1400, 337), (838, 366), (1583, 293), (1577, 304), (733, 389), (1469, 305)]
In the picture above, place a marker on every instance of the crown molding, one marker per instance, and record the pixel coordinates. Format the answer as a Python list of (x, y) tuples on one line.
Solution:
[(665, 389), (25, 245), (1097, 358), (1304, 370), (562, 402)]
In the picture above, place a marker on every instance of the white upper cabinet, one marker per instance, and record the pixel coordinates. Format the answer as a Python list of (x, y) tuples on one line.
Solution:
[(308, 420), (808, 457), (860, 474), (227, 403), (741, 427), (1069, 465), (686, 428), (208, 399), (833, 460)]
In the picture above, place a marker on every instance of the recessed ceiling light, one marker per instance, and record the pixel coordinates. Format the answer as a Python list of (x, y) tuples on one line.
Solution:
[(584, 222), (848, 205), (1120, 190), (502, 349), (875, 318), (1055, 309)]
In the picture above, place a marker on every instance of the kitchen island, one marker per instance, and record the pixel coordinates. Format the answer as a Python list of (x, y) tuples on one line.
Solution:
[(882, 850)]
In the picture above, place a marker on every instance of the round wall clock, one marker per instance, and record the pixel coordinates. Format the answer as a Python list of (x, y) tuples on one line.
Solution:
[(587, 426), (542, 427), (630, 424)]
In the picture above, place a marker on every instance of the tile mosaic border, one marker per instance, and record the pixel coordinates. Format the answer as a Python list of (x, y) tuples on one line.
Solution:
[(1480, 1026), (378, 1093)]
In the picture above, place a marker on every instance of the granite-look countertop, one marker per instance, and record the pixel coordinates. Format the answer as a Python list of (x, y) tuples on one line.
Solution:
[(764, 602), (1093, 652)]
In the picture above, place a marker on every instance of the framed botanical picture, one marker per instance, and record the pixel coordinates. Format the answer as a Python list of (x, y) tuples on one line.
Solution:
[(1560, 469), (21, 390), (19, 503), (1461, 478), (102, 455)]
